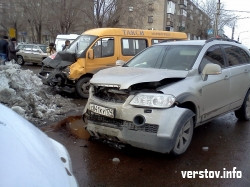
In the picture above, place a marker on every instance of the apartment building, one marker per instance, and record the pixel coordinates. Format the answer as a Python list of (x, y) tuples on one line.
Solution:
[(171, 15)]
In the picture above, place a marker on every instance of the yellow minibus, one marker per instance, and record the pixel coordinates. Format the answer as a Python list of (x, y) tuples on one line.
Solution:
[(96, 49)]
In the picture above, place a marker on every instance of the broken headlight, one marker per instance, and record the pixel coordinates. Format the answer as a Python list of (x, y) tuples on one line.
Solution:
[(153, 100), (66, 71)]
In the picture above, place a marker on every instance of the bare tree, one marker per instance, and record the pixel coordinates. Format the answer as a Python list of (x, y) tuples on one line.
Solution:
[(67, 16), (103, 13), (35, 12), (11, 16), (219, 17)]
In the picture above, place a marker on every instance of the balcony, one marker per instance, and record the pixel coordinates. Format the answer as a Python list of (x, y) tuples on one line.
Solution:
[(183, 2), (183, 7), (170, 23)]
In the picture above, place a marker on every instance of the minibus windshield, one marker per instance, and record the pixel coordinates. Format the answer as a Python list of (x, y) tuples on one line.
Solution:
[(81, 44)]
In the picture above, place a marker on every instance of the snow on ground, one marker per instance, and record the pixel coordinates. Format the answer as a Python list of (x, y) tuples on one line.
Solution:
[(24, 92)]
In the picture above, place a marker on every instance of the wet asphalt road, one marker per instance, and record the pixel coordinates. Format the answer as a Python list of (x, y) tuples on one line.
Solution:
[(227, 143)]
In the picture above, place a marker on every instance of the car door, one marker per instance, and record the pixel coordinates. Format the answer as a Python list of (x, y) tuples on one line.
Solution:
[(215, 90), (238, 61), (36, 54), (104, 54), (26, 52)]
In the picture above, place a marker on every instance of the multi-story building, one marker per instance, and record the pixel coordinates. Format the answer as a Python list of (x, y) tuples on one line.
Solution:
[(171, 15)]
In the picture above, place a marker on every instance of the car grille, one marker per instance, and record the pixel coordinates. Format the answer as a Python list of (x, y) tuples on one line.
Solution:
[(119, 124), (110, 94)]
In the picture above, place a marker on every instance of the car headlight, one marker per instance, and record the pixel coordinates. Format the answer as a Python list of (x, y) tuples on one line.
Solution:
[(153, 100)]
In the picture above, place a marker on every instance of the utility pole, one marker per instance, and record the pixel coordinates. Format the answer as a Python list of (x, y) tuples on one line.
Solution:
[(233, 31), (217, 19)]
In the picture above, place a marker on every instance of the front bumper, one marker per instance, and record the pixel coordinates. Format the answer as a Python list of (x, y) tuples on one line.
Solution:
[(158, 133), (55, 78)]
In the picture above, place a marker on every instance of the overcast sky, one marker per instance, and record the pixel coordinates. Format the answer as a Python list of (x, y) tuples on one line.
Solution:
[(242, 28)]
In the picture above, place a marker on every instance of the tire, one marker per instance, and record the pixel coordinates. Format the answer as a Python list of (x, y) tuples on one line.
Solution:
[(82, 87), (244, 112), (184, 138), (20, 60)]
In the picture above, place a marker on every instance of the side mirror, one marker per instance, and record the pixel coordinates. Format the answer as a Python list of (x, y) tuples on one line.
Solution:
[(91, 54), (210, 69), (120, 63)]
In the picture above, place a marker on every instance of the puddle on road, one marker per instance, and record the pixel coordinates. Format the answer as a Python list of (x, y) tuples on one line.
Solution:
[(77, 128), (74, 124)]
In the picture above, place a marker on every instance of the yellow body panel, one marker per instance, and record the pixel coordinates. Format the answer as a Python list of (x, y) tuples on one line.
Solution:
[(77, 69)]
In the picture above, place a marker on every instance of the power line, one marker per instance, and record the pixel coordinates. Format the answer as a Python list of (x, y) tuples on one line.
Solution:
[(236, 11)]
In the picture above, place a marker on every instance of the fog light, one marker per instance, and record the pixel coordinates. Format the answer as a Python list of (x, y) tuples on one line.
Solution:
[(139, 120)]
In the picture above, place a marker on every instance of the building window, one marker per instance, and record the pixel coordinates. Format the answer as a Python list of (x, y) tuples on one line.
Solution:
[(183, 2), (169, 28), (130, 21), (130, 9), (183, 12), (150, 6), (170, 7), (191, 17), (150, 19)]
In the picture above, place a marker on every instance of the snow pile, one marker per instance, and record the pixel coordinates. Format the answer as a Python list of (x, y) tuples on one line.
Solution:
[(24, 92)]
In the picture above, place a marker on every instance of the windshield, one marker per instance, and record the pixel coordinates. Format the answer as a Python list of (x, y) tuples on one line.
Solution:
[(174, 57), (81, 44)]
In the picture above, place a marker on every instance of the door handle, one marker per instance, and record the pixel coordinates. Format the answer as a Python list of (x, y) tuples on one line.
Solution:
[(246, 71), (226, 77)]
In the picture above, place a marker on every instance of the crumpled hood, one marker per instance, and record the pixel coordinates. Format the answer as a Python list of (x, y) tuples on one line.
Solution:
[(60, 60), (124, 77)]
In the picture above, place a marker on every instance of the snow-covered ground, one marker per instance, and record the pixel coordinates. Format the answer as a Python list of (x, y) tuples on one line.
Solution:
[(24, 92)]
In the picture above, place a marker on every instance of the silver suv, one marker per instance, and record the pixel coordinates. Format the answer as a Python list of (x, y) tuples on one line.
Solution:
[(33, 53), (156, 99)]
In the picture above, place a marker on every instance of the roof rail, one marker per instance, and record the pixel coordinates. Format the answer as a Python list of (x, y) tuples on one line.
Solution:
[(221, 39)]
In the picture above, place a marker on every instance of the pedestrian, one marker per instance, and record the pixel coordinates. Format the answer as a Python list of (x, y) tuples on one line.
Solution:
[(51, 49), (12, 50), (4, 49), (66, 46)]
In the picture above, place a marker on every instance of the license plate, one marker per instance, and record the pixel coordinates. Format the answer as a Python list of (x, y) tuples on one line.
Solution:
[(104, 111)]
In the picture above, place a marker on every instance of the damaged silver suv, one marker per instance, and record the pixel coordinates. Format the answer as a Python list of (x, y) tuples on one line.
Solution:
[(155, 100)]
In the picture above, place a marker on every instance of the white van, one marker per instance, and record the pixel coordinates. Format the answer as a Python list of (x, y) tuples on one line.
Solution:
[(61, 38)]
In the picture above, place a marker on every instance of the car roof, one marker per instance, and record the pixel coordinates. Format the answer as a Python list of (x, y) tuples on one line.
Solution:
[(184, 42)]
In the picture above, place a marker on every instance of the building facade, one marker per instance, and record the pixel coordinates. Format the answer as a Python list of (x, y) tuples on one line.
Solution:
[(170, 15)]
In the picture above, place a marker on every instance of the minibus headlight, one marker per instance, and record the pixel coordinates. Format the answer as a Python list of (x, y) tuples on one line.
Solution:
[(66, 71), (153, 100)]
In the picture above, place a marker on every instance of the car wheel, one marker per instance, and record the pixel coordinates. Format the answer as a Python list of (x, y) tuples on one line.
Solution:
[(244, 112), (20, 60), (184, 138), (82, 87)]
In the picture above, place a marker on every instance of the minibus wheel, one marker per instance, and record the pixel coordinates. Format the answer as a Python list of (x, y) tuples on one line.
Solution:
[(82, 87)]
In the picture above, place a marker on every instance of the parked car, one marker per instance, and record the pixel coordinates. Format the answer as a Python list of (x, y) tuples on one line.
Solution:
[(156, 99), (34, 53), (29, 157)]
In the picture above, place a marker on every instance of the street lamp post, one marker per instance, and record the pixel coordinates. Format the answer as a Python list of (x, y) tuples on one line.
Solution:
[(239, 35)]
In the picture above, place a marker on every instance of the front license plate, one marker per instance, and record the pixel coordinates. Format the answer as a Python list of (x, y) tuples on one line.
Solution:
[(104, 111)]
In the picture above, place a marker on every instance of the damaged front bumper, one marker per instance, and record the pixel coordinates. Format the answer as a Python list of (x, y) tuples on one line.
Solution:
[(146, 128), (57, 79)]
